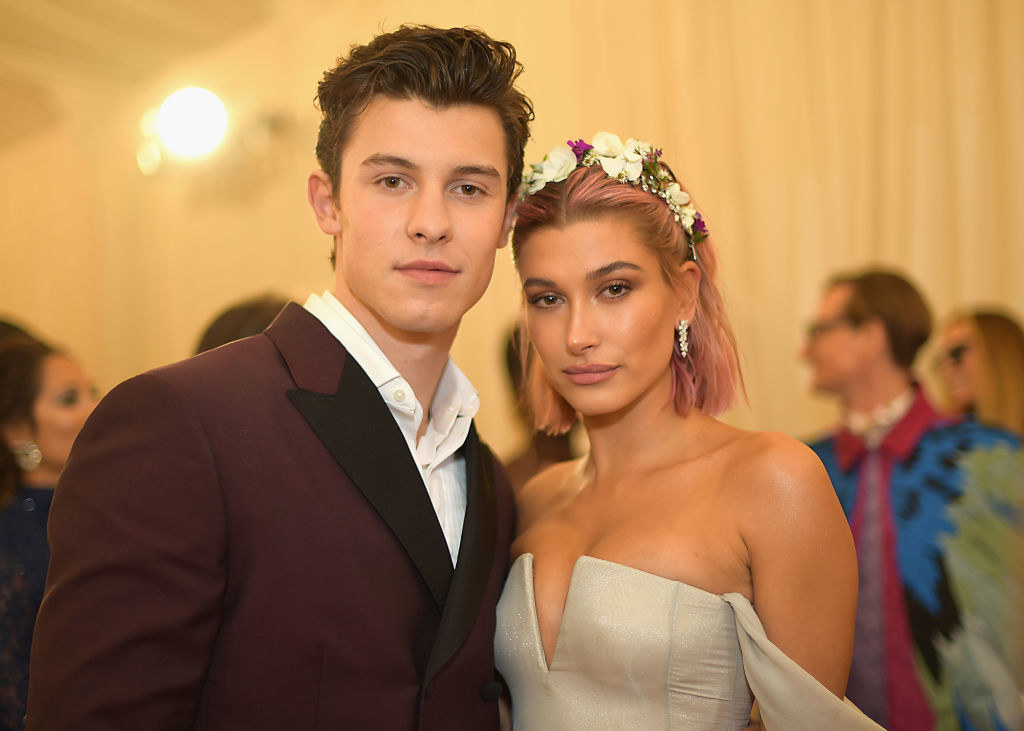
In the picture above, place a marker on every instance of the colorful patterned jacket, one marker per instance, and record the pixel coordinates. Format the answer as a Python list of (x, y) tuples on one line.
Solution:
[(953, 537)]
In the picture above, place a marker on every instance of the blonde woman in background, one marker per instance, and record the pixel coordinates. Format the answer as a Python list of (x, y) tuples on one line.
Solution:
[(981, 367)]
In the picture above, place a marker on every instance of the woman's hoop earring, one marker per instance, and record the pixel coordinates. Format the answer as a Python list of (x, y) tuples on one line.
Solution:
[(683, 329)]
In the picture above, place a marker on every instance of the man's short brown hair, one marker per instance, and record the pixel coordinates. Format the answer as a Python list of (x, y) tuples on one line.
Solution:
[(895, 302), (442, 67)]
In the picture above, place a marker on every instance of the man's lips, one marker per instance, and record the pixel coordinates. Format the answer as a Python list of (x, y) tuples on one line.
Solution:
[(589, 373), (427, 271)]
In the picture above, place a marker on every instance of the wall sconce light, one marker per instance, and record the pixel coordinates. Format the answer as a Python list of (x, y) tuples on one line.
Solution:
[(189, 124)]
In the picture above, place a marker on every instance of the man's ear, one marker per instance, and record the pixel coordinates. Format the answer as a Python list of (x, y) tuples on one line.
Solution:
[(687, 288), (510, 218), (875, 338), (321, 199)]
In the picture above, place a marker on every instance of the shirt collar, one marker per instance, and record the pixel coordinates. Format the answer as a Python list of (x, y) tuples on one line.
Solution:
[(343, 325), (899, 441), (873, 425), (455, 400)]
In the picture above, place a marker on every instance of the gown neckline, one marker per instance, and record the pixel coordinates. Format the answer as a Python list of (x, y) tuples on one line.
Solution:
[(531, 597)]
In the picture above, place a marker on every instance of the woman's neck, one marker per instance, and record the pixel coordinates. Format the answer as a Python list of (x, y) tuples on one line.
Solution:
[(643, 438), (40, 477)]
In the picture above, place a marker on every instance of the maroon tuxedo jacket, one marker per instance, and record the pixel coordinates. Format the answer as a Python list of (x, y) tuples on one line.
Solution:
[(242, 541)]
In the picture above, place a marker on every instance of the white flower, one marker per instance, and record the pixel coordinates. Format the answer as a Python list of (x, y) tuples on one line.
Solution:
[(676, 194), (607, 144), (633, 168), (535, 184), (559, 163), (634, 150), (613, 166)]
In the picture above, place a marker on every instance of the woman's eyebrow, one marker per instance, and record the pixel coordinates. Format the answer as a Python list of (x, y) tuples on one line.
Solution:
[(609, 268)]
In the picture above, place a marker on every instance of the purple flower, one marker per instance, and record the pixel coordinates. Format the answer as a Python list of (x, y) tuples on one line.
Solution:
[(653, 155), (700, 229), (579, 149)]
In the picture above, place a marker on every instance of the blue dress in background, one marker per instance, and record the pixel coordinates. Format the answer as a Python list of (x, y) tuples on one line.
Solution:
[(24, 557)]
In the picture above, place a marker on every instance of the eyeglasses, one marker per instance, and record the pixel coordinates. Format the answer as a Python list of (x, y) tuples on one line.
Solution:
[(817, 329), (955, 355)]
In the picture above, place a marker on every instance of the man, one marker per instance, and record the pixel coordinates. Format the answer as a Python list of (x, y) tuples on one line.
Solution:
[(302, 529), (934, 507)]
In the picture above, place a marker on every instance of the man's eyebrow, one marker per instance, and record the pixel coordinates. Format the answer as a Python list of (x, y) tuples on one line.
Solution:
[(609, 268), (383, 160), (397, 161), (484, 170)]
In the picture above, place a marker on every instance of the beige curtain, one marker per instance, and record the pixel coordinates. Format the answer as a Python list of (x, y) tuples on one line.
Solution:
[(815, 135)]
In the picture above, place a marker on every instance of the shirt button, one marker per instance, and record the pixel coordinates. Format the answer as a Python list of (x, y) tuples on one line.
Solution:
[(399, 395), (28, 505)]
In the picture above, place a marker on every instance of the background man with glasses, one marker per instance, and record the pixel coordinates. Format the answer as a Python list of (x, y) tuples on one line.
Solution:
[(935, 508)]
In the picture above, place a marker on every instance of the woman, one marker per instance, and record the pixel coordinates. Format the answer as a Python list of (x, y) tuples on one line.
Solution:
[(981, 368), (637, 568), (44, 401)]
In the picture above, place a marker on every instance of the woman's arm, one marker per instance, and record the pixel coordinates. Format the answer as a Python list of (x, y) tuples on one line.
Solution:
[(802, 559)]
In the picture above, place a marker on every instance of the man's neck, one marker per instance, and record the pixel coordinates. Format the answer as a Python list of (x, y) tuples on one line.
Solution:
[(420, 358), (877, 387), (422, 365)]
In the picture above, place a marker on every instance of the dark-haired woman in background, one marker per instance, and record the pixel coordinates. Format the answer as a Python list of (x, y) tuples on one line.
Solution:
[(45, 398)]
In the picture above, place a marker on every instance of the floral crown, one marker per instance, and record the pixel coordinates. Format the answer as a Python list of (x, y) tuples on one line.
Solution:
[(633, 162)]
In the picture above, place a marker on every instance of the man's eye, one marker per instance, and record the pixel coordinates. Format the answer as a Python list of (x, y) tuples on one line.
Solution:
[(391, 181), (468, 189)]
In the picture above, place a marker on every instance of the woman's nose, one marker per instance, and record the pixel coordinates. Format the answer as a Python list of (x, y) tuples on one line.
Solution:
[(581, 335)]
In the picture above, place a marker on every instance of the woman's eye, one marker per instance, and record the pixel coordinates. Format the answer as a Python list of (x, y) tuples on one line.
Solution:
[(617, 289), (544, 300), (68, 398)]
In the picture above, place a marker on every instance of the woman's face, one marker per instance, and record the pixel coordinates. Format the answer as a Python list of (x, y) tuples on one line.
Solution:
[(600, 313), (66, 398), (958, 364)]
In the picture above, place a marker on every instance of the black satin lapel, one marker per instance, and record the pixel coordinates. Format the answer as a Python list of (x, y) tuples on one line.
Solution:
[(357, 427), (476, 554)]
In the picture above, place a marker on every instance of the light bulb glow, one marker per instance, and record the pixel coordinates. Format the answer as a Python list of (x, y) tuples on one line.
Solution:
[(191, 121)]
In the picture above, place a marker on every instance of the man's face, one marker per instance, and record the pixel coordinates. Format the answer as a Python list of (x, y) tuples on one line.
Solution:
[(834, 347), (421, 211)]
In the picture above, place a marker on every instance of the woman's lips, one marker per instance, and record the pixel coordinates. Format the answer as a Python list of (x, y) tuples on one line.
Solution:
[(590, 373)]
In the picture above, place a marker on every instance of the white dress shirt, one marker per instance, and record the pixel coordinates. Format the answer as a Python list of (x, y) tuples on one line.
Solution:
[(455, 404)]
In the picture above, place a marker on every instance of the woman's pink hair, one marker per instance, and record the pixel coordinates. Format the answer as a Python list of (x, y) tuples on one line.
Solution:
[(710, 375)]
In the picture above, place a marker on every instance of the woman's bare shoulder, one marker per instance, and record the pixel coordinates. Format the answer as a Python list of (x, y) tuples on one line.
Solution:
[(772, 459), (772, 473), (546, 490)]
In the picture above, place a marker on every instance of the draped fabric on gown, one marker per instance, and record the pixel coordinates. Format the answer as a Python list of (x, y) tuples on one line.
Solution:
[(636, 650)]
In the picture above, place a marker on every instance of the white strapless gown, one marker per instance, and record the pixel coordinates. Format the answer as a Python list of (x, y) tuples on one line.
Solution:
[(639, 651)]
